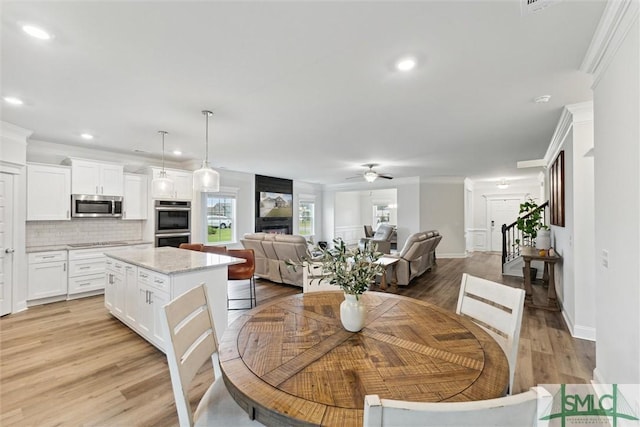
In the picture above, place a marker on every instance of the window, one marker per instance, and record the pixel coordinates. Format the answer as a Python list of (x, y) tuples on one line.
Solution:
[(381, 214), (220, 214), (306, 217)]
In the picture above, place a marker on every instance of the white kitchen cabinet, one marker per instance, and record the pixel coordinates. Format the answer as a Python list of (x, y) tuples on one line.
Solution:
[(135, 197), (86, 271), (131, 293), (156, 289), (89, 177), (146, 291), (48, 192), (182, 180), (47, 275), (113, 285)]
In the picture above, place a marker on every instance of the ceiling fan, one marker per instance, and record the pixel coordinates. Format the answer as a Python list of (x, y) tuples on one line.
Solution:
[(370, 175)]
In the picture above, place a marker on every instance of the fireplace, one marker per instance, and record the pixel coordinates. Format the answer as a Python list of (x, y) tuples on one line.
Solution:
[(276, 229), (269, 192)]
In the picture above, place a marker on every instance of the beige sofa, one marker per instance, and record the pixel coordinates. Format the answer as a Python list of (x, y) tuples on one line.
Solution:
[(271, 252), (416, 257)]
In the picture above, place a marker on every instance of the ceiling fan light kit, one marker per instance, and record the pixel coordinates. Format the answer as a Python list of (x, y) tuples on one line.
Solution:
[(370, 176)]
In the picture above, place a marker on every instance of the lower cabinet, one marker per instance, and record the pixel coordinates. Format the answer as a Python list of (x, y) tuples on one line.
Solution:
[(136, 296), (47, 275)]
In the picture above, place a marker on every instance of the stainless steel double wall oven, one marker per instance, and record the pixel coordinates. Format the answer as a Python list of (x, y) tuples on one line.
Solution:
[(173, 222)]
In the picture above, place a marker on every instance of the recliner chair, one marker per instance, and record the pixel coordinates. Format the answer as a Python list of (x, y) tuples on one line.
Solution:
[(382, 238)]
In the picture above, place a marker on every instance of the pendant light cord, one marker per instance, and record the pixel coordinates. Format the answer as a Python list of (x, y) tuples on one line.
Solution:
[(206, 113), (163, 133)]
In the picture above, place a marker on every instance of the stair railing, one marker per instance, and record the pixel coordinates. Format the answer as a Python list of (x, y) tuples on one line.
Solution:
[(512, 238)]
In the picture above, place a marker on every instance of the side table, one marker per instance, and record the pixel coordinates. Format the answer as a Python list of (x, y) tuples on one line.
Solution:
[(529, 254), (388, 262)]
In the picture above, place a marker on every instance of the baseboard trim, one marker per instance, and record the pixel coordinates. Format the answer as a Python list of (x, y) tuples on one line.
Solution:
[(584, 332), (451, 255), (598, 378)]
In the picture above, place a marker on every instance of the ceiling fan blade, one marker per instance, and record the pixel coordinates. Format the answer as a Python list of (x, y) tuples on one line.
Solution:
[(354, 177), (385, 176)]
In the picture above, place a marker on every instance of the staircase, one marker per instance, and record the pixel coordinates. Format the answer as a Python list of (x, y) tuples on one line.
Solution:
[(512, 238)]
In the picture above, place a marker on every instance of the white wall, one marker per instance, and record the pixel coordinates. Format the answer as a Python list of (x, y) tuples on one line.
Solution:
[(442, 209), (584, 325), (617, 213), (562, 238)]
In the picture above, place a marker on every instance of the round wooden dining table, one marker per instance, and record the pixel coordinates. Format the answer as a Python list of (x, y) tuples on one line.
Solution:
[(290, 362)]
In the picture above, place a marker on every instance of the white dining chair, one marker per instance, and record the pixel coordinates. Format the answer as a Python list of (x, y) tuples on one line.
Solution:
[(192, 341), (522, 410), (498, 310), (313, 279)]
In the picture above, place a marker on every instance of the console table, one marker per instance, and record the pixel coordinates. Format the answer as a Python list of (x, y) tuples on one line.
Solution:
[(529, 254)]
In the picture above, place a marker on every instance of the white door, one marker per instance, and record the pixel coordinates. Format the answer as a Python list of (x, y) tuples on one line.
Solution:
[(502, 211), (6, 242)]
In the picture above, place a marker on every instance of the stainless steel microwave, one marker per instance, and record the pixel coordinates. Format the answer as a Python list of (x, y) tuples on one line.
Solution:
[(92, 206)]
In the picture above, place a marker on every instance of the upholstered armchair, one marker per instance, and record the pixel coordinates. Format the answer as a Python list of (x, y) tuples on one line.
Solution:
[(382, 238)]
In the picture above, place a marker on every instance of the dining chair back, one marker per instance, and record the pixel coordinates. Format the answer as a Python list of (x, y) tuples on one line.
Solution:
[(498, 310), (244, 271), (222, 250), (523, 409), (313, 279), (191, 246), (192, 342)]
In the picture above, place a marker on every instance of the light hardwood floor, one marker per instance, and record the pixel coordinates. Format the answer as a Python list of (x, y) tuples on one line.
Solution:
[(71, 363)]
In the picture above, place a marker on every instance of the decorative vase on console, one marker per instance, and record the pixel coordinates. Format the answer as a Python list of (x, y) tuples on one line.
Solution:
[(352, 270), (543, 239)]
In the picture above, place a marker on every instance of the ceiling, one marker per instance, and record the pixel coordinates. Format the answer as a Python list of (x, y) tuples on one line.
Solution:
[(302, 90)]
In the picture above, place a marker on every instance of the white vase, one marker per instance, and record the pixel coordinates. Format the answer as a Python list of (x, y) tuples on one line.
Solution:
[(543, 239), (352, 313)]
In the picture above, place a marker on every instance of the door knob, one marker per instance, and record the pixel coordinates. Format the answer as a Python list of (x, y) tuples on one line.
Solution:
[(9, 250)]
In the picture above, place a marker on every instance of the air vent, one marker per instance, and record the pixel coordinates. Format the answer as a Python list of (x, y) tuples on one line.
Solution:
[(533, 6)]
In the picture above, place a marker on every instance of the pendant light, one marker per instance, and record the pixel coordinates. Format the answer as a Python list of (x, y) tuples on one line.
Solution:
[(162, 186), (205, 179)]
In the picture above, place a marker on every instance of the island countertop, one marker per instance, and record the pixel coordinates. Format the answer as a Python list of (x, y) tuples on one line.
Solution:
[(170, 260)]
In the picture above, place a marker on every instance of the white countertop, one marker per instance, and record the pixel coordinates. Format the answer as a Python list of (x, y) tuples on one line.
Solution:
[(169, 260), (88, 245)]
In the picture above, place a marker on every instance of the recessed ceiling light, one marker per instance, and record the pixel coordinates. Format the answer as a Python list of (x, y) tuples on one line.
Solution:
[(13, 100), (177, 152), (86, 136), (36, 32), (406, 64), (542, 99)]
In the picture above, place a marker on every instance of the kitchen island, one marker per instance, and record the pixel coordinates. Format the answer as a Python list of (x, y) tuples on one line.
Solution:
[(140, 282)]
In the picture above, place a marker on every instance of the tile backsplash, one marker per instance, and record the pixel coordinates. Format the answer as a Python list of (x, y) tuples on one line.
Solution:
[(44, 233)]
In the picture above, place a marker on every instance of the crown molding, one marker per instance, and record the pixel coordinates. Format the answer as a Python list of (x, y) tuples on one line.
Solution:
[(12, 131), (571, 114), (616, 21)]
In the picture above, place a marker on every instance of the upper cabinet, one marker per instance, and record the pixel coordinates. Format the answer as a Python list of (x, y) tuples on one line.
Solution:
[(88, 177), (182, 180), (135, 197), (48, 192)]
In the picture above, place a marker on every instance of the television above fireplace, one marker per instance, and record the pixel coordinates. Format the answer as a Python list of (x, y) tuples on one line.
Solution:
[(276, 205)]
